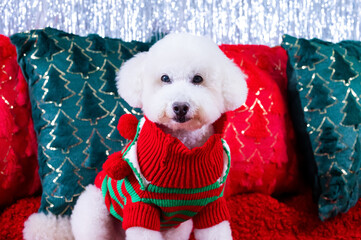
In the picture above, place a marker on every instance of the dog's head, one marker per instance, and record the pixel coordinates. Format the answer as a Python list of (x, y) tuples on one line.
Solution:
[(182, 82)]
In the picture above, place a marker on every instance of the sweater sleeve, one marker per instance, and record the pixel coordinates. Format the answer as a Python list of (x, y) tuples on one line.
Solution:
[(115, 166), (212, 214), (141, 214)]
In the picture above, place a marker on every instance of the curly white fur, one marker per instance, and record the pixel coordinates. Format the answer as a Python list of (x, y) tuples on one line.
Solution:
[(44, 227), (182, 232), (91, 220), (181, 57), (221, 231)]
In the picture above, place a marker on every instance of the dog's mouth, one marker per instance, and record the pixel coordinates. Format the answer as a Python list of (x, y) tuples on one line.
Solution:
[(181, 119)]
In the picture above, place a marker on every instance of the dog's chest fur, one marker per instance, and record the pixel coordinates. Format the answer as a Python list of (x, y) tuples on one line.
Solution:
[(192, 139)]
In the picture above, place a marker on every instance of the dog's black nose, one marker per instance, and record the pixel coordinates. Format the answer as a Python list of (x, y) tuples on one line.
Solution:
[(180, 108)]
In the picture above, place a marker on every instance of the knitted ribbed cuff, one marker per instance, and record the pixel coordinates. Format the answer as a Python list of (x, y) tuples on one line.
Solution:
[(212, 214), (141, 215)]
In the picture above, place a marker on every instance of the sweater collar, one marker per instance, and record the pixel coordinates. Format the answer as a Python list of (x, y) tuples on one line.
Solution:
[(150, 128), (165, 161)]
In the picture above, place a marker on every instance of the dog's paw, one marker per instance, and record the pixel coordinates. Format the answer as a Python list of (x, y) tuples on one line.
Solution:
[(137, 233), (91, 220), (221, 231), (182, 232), (43, 227)]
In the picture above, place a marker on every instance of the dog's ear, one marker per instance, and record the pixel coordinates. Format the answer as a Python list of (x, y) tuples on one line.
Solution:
[(129, 79), (234, 87)]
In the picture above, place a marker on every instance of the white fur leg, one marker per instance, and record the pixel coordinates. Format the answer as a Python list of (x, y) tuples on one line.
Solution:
[(221, 231), (42, 227), (91, 219), (139, 233), (182, 232)]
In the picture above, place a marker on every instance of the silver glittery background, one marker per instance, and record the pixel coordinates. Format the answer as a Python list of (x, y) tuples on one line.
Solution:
[(226, 21)]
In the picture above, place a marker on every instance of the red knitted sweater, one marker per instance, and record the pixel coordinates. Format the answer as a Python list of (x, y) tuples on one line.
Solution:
[(170, 183)]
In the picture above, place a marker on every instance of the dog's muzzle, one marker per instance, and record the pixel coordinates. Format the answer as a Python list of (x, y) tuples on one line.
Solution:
[(181, 109)]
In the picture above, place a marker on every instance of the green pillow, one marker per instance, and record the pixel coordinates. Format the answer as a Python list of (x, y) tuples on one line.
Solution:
[(325, 89), (75, 107)]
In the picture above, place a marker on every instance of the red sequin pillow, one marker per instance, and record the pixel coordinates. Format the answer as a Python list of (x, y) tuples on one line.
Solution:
[(18, 161), (260, 133)]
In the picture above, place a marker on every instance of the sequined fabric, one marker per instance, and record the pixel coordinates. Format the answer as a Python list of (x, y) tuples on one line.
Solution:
[(260, 133), (324, 82), (226, 21), (75, 107), (18, 159)]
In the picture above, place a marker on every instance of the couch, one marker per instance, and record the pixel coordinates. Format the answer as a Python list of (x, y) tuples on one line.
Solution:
[(269, 192)]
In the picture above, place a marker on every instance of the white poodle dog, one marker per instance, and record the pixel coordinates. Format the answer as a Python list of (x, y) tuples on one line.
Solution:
[(184, 83)]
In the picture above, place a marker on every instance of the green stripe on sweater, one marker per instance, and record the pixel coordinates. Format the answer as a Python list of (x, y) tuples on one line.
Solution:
[(119, 189), (174, 219), (104, 186), (177, 203), (184, 212), (112, 193), (114, 213), (156, 189), (129, 188)]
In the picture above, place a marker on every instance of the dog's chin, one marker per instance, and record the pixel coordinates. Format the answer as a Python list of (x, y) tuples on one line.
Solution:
[(182, 119), (190, 124), (182, 123)]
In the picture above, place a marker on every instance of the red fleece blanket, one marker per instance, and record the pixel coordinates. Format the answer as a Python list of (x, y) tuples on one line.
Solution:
[(254, 216)]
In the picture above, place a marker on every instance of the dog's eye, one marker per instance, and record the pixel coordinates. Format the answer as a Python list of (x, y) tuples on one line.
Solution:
[(165, 78), (197, 79)]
